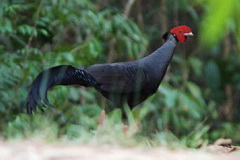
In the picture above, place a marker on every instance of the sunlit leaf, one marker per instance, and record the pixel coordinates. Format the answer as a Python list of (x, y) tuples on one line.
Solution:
[(216, 21)]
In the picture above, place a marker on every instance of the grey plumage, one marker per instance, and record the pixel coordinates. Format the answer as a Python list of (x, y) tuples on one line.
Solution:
[(130, 82)]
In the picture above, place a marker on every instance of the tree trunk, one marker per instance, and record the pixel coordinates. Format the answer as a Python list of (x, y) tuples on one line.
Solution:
[(139, 15), (128, 7), (163, 15), (228, 106)]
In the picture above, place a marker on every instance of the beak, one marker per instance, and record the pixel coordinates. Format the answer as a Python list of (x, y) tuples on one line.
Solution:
[(188, 34)]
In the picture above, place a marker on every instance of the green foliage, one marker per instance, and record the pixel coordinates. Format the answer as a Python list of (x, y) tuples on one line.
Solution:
[(24, 126), (217, 20), (189, 108), (179, 108)]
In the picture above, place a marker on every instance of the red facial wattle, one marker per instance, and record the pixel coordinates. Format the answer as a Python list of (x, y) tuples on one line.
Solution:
[(180, 31)]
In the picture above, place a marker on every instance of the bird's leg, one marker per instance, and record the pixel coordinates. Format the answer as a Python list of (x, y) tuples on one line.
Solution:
[(100, 121), (125, 129), (101, 118)]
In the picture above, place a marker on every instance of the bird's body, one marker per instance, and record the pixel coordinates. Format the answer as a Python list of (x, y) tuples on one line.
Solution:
[(130, 82), (133, 81)]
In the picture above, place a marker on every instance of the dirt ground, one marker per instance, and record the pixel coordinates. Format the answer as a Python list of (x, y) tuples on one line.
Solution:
[(32, 150)]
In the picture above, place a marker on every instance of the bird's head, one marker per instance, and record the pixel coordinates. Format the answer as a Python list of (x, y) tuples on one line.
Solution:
[(181, 33)]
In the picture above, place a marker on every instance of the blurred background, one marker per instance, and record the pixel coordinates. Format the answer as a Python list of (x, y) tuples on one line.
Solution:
[(197, 103)]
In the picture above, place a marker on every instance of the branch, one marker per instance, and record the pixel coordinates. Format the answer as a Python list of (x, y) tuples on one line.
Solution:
[(163, 16), (139, 15), (128, 7), (35, 26), (111, 50)]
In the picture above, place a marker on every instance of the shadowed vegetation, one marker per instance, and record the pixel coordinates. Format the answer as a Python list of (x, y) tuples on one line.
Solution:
[(197, 103)]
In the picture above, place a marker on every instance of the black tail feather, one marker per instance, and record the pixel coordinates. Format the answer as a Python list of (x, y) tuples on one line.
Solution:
[(60, 75), (37, 95)]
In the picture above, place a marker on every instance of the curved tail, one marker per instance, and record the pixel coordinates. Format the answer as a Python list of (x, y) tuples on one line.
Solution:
[(60, 75)]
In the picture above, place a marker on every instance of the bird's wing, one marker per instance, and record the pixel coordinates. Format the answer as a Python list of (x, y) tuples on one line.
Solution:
[(60, 75), (119, 77)]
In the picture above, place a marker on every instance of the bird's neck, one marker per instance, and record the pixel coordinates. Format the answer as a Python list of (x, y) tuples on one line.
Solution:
[(159, 60), (163, 55)]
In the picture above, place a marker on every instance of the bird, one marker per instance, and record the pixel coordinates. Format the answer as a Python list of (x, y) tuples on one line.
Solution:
[(129, 82)]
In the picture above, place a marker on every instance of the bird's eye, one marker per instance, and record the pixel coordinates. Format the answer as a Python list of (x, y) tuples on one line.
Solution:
[(180, 31)]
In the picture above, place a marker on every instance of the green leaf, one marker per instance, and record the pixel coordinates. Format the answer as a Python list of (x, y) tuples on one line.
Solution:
[(6, 26), (44, 32), (196, 65), (216, 21), (194, 90), (115, 116), (169, 94)]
